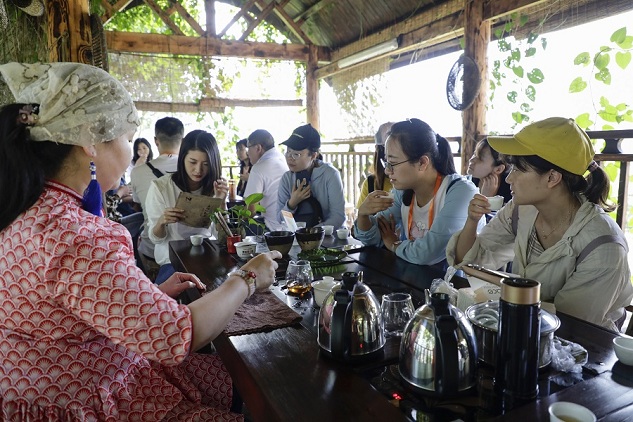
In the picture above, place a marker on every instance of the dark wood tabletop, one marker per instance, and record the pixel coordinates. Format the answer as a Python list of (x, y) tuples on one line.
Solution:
[(283, 376)]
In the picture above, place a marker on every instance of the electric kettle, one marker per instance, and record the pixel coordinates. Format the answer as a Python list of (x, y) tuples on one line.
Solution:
[(350, 322), (438, 350)]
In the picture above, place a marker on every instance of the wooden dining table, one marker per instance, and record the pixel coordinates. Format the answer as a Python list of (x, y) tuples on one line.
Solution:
[(282, 375)]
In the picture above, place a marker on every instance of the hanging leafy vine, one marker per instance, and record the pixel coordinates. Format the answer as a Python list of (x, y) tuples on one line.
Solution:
[(518, 55), (618, 52)]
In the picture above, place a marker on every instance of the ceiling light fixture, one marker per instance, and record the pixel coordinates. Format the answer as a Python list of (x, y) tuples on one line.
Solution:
[(369, 53)]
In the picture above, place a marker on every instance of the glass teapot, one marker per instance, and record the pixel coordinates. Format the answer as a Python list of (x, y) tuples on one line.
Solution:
[(299, 277)]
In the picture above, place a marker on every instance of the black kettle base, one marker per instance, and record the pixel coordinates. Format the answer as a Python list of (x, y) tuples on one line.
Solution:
[(375, 356), (432, 393)]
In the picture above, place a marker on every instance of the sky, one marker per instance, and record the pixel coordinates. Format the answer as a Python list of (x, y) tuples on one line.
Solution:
[(418, 90)]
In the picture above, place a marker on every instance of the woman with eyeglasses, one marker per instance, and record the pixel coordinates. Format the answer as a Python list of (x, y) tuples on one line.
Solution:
[(430, 200), (310, 177)]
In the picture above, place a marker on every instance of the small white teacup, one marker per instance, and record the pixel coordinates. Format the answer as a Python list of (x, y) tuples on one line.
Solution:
[(245, 249), (342, 233), (328, 230), (564, 411), (196, 239), (496, 202)]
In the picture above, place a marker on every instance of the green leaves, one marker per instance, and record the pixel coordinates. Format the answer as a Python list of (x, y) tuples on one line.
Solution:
[(582, 59), (253, 198), (536, 76), (583, 120), (577, 85), (622, 59)]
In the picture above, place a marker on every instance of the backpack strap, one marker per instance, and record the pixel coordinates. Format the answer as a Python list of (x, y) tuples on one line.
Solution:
[(514, 220), (600, 240), (157, 173), (370, 183)]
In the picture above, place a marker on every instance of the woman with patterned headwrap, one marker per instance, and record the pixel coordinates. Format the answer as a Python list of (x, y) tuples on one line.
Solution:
[(84, 334)]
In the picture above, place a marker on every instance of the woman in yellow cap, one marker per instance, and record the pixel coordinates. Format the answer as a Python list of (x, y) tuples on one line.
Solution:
[(556, 227)]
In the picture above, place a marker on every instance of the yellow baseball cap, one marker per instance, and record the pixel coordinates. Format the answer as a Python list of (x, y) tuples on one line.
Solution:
[(558, 140)]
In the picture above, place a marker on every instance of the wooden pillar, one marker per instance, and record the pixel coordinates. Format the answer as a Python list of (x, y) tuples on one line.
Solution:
[(69, 35), (476, 39), (312, 88), (209, 7)]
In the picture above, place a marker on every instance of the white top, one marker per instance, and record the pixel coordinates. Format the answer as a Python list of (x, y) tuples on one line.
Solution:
[(420, 225), (162, 194), (140, 179), (264, 178)]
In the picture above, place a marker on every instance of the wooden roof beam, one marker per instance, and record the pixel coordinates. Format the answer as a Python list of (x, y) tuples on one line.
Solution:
[(242, 12), (261, 17), (312, 10), (133, 42), (188, 18), (213, 105), (111, 9), (164, 16), (290, 23)]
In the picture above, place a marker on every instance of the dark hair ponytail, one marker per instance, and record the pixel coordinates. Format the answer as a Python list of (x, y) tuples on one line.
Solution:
[(24, 165), (444, 164)]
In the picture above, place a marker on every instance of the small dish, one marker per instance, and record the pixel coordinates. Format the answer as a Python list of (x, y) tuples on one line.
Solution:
[(623, 347)]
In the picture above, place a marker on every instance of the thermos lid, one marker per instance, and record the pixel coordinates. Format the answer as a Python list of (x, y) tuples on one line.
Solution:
[(520, 291)]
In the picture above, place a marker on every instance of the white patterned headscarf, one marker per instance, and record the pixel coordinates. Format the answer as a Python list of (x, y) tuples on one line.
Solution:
[(79, 104)]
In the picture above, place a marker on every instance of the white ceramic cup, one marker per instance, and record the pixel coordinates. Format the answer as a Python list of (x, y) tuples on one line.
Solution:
[(496, 202), (321, 288), (342, 234), (245, 249), (328, 230), (328, 279), (196, 239), (564, 411)]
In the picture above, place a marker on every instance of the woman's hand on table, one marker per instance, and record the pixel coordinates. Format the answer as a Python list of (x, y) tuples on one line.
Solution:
[(179, 282), (376, 201), (388, 232), (478, 207), (264, 266)]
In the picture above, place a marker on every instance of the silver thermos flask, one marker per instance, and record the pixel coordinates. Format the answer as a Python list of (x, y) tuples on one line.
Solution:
[(516, 373)]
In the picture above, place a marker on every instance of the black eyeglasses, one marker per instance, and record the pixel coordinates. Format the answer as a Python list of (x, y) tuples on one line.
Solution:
[(389, 167)]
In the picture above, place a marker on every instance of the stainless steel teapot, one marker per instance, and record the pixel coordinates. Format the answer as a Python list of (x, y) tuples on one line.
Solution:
[(438, 350), (350, 322)]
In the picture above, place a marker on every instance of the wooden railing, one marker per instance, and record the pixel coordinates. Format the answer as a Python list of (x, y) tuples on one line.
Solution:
[(356, 165)]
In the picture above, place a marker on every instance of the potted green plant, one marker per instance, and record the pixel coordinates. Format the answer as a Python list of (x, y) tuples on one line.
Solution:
[(240, 217)]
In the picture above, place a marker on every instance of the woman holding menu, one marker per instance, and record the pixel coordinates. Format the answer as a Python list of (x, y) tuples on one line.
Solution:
[(198, 172)]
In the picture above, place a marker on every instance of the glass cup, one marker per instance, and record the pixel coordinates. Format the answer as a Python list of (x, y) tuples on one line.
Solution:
[(397, 310), (299, 277)]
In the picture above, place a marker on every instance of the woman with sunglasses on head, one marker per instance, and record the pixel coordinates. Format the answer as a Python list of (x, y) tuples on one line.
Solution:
[(310, 177), (556, 228), (430, 200), (84, 334)]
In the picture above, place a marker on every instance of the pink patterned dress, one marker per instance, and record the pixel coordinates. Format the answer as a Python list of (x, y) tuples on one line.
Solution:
[(85, 336)]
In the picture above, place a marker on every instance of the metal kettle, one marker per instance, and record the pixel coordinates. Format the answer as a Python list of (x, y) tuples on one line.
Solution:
[(438, 350), (350, 322)]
